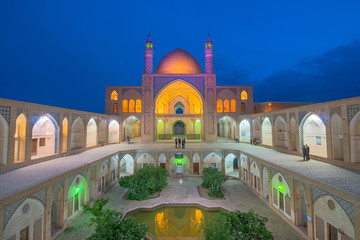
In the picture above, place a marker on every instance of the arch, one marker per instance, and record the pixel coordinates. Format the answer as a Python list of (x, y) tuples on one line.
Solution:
[(65, 131), (77, 134), (256, 129), (265, 183), (280, 131), (114, 168), (102, 177), (231, 165), (330, 216), (179, 108), (337, 137), (255, 176), (281, 194), (131, 106), (300, 205), (244, 167), (219, 106), (145, 160), (114, 95), (160, 129), (91, 133), (20, 138), (179, 163), (244, 131), (126, 165), (125, 106), (162, 160), (102, 131), (175, 89), (138, 105), (179, 128), (196, 163), (132, 128), (44, 137), (213, 160), (233, 105), (266, 132), (355, 138), (293, 139), (226, 105), (244, 95), (76, 195), (226, 129), (57, 209), (313, 133), (27, 220), (4, 136), (114, 129)]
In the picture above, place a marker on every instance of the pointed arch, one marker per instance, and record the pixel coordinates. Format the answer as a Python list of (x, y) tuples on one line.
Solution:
[(4, 136), (244, 95), (233, 105), (355, 138), (131, 106), (219, 106), (131, 128), (313, 133), (114, 168), (265, 183), (114, 129), (77, 134), (226, 105), (244, 131), (293, 138), (266, 132), (256, 129), (65, 133), (300, 205), (226, 129), (91, 133), (138, 105), (125, 106), (231, 165), (57, 209), (20, 138), (102, 131), (337, 137), (76, 195), (281, 194), (145, 160), (255, 176), (213, 160), (114, 95), (126, 165), (280, 131)]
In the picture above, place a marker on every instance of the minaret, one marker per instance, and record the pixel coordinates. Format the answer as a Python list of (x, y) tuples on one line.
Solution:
[(209, 66), (149, 56)]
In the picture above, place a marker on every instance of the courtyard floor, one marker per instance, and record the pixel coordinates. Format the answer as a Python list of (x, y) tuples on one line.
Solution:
[(238, 196)]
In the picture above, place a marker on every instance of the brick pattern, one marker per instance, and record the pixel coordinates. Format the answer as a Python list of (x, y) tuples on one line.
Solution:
[(352, 110), (22, 110), (205, 153), (61, 184), (5, 111), (335, 110)]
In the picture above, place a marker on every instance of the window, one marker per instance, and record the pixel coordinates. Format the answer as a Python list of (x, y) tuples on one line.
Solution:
[(42, 142), (138, 105), (242, 107), (115, 108), (125, 106), (233, 105), (219, 107), (226, 105), (244, 95), (179, 108), (114, 95), (76, 203), (131, 106)]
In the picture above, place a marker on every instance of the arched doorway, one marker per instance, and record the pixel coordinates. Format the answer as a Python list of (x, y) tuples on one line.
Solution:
[(20, 138), (57, 209), (179, 164), (293, 139), (244, 129), (44, 137), (280, 130), (132, 129), (77, 134), (337, 137), (145, 160), (256, 129), (226, 129), (91, 133), (179, 128), (76, 195), (231, 165), (265, 183), (4, 133), (102, 178), (114, 168), (244, 167), (65, 130), (162, 161), (102, 132), (213, 160), (266, 132), (255, 176), (126, 165), (114, 129), (300, 205), (355, 138), (281, 194), (313, 133), (196, 163)]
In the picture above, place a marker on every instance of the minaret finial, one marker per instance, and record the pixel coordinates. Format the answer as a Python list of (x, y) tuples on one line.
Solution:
[(209, 37), (149, 37)]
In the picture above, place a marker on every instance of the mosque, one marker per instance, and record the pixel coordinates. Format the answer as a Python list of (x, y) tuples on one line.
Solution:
[(54, 159)]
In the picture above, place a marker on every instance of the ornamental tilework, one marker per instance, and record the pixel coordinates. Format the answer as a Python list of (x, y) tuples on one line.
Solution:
[(173, 153), (263, 118), (197, 82), (121, 155), (74, 116), (5, 111), (283, 115), (101, 163), (292, 115), (51, 116), (352, 110), (61, 184), (209, 152), (296, 180), (346, 205), (221, 115), (302, 114), (71, 179), (138, 154), (335, 110), (275, 171), (11, 208), (226, 153), (20, 111)]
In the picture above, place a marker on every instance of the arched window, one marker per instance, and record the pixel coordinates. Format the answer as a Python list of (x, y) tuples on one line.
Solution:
[(244, 95), (114, 95), (219, 106), (125, 106), (20, 138), (115, 108), (138, 105), (179, 108), (226, 105), (233, 105), (131, 106)]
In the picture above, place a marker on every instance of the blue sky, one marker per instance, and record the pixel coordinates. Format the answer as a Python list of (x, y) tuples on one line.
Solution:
[(64, 53)]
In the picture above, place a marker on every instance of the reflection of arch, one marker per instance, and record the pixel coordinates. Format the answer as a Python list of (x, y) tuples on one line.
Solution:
[(126, 165), (57, 209), (337, 138), (77, 134), (231, 164), (313, 133), (227, 127), (280, 130), (266, 132), (281, 194), (132, 128), (102, 131), (265, 183), (244, 95), (255, 176), (114, 95), (244, 129), (44, 136), (27, 219), (293, 139), (300, 205), (114, 129), (355, 138), (20, 138), (145, 160), (91, 133), (329, 217), (76, 195), (179, 128), (4, 133), (213, 160), (65, 130)]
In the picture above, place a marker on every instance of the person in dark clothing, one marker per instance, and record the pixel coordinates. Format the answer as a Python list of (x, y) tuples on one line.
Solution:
[(304, 152), (176, 140), (307, 152), (251, 140), (184, 143), (179, 142)]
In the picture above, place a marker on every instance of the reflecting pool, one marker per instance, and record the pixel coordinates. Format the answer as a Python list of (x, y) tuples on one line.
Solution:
[(169, 222)]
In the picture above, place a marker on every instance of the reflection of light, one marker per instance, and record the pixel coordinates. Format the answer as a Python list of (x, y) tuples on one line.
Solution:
[(159, 218)]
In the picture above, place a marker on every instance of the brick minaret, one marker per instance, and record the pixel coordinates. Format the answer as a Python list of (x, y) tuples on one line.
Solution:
[(149, 56), (209, 66)]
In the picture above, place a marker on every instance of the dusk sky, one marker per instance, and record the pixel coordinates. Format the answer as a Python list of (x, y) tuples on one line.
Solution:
[(64, 53)]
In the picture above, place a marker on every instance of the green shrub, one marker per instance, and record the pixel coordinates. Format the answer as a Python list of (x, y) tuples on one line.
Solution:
[(212, 180), (237, 225), (145, 182)]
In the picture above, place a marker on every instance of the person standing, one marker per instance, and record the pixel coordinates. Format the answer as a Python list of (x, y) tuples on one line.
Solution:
[(251, 140), (184, 143), (304, 152), (179, 142), (176, 142), (307, 152)]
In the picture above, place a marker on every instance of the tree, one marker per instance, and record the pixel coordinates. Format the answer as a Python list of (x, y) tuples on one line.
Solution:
[(212, 179), (237, 225), (111, 226), (145, 182)]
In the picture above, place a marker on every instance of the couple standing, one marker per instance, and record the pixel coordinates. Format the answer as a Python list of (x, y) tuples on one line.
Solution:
[(179, 142), (306, 152)]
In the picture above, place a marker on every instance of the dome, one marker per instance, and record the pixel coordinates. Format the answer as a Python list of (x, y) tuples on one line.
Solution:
[(178, 61)]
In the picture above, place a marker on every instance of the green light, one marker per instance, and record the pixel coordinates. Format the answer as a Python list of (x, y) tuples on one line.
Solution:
[(77, 189), (281, 188)]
